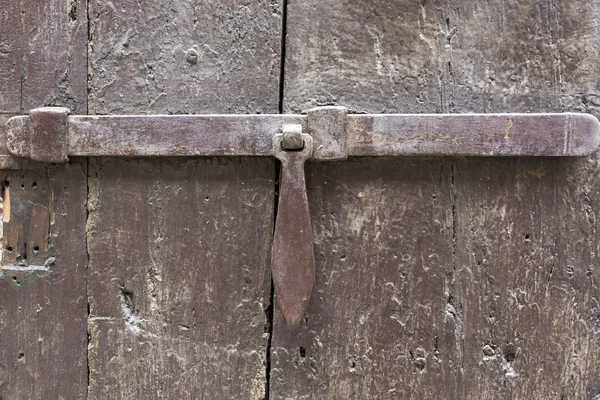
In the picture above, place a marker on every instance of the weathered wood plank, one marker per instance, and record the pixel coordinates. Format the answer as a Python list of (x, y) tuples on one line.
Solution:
[(524, 321), (11, 56), (55, 67), (179, 249), (379, 324), (179, 277), (184, 57), (376, 56), (43, 304), (526, 242), (525, 294), (442, 56)]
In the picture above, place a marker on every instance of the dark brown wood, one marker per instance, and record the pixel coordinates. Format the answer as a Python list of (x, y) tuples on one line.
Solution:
[(11, 56), (529, 323), (379, 324), (43, 57), (55, 67), (293, 260), (189, 57), (180, 249), (179, 277), (43, 307), (523, 323), (43, 304)]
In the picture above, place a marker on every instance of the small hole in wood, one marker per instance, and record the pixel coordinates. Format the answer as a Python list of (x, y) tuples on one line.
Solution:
[(36, 248), (22, 186), (302, 352), (207, 198), (9, 249), (21, 355), (34, 185), (343, 257), (527, 237)]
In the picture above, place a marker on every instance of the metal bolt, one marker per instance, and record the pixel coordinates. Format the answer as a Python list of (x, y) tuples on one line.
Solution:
[(292, 137)]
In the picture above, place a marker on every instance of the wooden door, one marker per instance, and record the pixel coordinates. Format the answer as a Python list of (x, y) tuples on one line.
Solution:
[(436, 277)]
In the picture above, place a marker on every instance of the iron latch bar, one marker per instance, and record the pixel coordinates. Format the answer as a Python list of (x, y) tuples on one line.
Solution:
[(326, 133)]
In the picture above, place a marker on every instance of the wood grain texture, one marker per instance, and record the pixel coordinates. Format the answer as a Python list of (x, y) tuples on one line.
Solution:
[(380, 323), (43, 308), (525, 284), (55, 66), (43, 55), (179, 277), (521, 296), (180, 249), (442, 56), (11, 56), (182, 57)]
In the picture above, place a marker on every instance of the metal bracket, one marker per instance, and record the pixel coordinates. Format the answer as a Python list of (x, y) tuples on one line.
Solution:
[(325, 133)]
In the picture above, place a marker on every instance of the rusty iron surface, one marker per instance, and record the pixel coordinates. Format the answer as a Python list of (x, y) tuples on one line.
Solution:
[(292, 137), (293, 257), (48, 134), (563, 134), (327, 126), (566, 134)]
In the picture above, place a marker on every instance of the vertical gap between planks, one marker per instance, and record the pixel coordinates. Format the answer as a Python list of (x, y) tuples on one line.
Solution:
[(282, 61), (271, 309), (87, 204), (24, 56)]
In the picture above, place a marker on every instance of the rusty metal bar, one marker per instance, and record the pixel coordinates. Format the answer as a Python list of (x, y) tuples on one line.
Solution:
[(293, 255), (161, 135), (567, 134)]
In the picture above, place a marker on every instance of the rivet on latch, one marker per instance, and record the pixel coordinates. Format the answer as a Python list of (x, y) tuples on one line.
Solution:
[(293, 259), (292, 137)]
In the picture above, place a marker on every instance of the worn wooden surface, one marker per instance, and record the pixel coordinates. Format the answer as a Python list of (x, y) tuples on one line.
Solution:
[(184, 57), (11, 57), (43, 307), (378, 318), (179, 277), (525, 280), (514, 313), (442, 56), (43, 55), (179, 283)]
